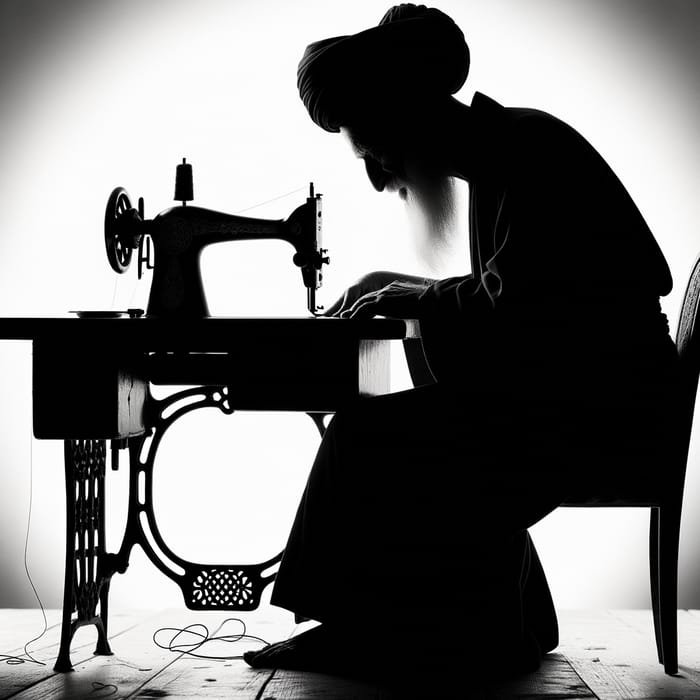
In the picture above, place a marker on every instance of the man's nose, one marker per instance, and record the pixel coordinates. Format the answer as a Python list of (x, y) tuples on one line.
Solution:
[(378, 176)]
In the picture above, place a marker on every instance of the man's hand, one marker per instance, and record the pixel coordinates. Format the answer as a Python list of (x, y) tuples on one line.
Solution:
[(398, 300), (368, 289)]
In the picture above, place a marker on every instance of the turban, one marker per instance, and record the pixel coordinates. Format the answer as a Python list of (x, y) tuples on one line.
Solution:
[(416, 53)]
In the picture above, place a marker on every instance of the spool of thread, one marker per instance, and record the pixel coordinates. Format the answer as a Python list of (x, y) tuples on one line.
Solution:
[(183, 182)]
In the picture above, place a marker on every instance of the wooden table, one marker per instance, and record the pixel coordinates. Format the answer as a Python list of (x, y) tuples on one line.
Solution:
[(91, 386)]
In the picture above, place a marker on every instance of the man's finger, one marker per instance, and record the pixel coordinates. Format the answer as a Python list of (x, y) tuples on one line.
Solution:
[(365, 299), (337, 306), (364, 309)]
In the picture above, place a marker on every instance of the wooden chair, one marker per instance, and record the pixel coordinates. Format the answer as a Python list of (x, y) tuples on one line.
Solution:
[(664, 527), (665, 505)]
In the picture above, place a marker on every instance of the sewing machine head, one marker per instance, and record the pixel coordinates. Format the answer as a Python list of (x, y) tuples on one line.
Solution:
[(176, 237)]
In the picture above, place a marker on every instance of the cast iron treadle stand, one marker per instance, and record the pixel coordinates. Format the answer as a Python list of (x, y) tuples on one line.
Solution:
[(86, 580), (89, 568)]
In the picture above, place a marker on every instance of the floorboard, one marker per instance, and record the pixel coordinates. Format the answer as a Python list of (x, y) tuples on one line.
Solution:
[(188, 676), (615, 653), (603, 654), (555, 679), (22, 624), (30, 677)]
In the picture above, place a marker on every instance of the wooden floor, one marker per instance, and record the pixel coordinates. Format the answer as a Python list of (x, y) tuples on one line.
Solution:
[(608, 654)]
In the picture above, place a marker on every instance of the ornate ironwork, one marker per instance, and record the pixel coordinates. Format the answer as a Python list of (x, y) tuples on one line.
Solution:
[(217, 588), (204, 586), (89, 568), (86, 583)]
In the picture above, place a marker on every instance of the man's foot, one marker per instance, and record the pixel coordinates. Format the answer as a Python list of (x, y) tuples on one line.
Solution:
[(319, 649), (324, 649)]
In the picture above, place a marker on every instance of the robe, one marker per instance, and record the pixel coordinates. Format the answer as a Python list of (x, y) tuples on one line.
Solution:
[(555, 372), (559, 326)]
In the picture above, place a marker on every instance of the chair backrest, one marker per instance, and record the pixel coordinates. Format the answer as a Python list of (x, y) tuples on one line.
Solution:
[(688, 344)]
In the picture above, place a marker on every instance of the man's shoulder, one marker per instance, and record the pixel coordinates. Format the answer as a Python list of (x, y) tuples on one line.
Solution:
[(528, 132), (489, 110), (529, 127)]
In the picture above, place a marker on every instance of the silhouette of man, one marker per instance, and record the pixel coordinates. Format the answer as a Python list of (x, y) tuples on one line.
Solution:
[(553, 362)]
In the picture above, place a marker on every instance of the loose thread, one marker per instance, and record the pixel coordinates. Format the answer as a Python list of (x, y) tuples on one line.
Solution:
[(97, 686), (200, 632), (268, 201), (12, 659)]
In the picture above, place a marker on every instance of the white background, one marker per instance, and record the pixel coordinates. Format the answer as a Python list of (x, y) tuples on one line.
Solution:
[(96, 95)]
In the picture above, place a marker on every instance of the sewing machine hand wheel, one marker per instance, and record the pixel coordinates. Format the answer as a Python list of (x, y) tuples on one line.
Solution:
[(120, 230)]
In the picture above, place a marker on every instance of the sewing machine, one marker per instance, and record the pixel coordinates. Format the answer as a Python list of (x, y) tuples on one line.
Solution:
[(179, 235), (92, 376)]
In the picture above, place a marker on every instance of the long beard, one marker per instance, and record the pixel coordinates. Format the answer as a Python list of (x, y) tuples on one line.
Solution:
[(432, 212)]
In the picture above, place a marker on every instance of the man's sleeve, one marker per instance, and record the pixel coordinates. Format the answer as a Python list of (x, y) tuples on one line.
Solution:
[(515, 273), (454, 295)]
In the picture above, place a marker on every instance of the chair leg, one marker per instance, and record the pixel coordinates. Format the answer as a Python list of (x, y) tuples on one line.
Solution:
[(654, 576), (669, 533)]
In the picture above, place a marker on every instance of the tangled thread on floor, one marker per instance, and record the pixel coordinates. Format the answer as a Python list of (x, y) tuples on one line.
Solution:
[(189, 640)]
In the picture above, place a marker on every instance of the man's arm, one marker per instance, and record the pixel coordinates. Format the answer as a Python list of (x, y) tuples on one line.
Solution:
[(371, 284)]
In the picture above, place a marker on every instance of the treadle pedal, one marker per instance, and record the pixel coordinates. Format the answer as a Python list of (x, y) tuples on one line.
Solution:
[(223, 587)]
